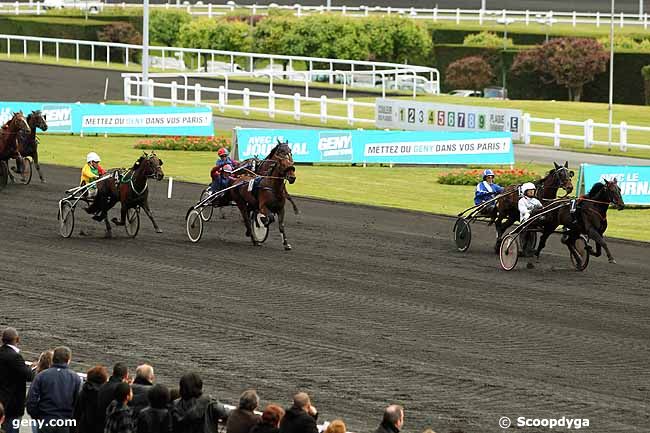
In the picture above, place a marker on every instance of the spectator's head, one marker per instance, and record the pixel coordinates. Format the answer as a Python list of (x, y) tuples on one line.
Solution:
[(394, 415), (336, 426), (272, 415), (191, 386), (62, 355), (2, 414), (144, 372), (10, 336), (98, 375), (301, 400), (123, 393), (431, 431), (249, 400), (121, 371), (44, 361), (158, 396)]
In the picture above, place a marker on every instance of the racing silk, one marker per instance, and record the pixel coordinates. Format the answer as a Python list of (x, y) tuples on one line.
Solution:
[(486, 191), (89, 173), (221, 162), (526, 206)]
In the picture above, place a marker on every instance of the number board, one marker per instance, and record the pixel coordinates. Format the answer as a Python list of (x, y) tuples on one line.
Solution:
[(413, 115)]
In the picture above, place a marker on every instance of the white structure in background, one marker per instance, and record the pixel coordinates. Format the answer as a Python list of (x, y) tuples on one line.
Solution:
[(92, 6)]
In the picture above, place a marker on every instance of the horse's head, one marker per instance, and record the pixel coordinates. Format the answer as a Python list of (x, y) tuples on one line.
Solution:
[(151, 164), (18, 124), (284, 160), (561, 176), (37, 120), (614, 195)]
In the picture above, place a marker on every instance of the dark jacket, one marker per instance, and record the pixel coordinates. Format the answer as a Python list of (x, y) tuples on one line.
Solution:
[(385, 427), (140, 400), (152, 420), (14, 374), (89, 420), (118, 418), (53, 393), (241, 421), (263, 427), (297, 420), (105, 397), (197, 415)]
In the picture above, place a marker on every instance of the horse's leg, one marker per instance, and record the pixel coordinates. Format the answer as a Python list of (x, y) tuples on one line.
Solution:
[(293, 204), (149, 213), (600, 241), (243, 208), (109, 231), (38, 167), (540, 247), (286, 244), (264, 210), (122, 220)]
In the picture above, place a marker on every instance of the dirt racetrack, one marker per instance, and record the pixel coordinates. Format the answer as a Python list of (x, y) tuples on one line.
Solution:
[(372, 306)]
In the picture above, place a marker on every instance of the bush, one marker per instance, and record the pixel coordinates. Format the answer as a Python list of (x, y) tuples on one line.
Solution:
[(502, 177), (197, 144), (486, 39), (471, 72), (124, 33), (216, 35), (397, 39), (165, 25)]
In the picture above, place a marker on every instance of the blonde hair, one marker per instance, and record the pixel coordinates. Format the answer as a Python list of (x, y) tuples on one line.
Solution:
[(336, 426)]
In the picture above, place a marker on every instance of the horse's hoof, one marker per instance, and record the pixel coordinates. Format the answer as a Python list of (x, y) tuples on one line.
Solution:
[(83, 233), (530, 265), (248, 233), (287, 247), (43, 181), (159, 231), (108, 235), (612, 261)]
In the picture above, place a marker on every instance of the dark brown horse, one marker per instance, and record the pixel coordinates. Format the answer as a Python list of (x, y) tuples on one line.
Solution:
[(252, 165), (269, 195), (29, 141), (9, 144), (547, 188), (590, 217), (133, 191)]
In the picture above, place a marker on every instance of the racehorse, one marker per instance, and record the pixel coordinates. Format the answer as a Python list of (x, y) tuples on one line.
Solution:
[(9, 145), (130, 189), (252, 165), (29, 142), (546, 190), (133, 190), (269, 194), (590, 217)]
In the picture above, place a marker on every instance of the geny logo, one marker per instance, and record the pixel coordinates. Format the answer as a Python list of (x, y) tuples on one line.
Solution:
[(335, 146), (58, 116)]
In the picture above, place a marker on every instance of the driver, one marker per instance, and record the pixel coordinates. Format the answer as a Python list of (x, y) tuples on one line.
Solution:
[(487, 189), (528, 203), (222, 170), (90, 172)]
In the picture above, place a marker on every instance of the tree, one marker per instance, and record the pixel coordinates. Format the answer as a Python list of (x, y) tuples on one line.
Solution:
[(123, 33), (397, 39), (471, 72), (568, 62), (165, 25), (216, 35)]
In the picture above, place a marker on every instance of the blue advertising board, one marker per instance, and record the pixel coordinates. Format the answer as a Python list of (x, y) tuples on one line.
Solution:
[(634, 181), (117, 119), (399, 147)]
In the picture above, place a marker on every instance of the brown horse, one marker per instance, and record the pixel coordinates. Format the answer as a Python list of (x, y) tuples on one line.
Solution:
[(29, 142), (269, 194), (133, 191), (9, 144), (547, 188)]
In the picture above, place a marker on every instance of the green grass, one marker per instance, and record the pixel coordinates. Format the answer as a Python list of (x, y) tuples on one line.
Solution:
[(410, 188)]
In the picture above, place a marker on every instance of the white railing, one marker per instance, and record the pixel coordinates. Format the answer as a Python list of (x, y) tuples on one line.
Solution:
[(480, 16), (583, 132), (124, 53)]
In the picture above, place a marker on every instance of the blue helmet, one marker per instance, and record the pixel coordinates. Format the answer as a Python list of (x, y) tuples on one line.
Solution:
[(487, 172)]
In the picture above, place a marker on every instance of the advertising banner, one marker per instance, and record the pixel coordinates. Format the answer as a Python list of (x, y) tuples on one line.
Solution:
[(412, 115), (399, 147), (117, 119), (634, 181)]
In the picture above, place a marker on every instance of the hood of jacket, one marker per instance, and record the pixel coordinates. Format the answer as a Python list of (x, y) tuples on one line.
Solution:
[(115, 408)]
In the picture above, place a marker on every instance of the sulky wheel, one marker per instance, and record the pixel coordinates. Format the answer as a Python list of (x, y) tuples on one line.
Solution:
[(132, 223), (66, 219), (508, 252), (194, 225), (4, 175), (259, 231), (579, 254), (206, 211), (462, 234)]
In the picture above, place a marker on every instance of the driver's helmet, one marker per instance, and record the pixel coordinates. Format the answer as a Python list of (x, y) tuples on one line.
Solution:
[(487, 172), (222, 152), (227, 169), (92, 156), (527, 187)]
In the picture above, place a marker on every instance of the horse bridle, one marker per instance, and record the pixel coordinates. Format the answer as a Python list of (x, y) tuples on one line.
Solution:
[(556, 180)]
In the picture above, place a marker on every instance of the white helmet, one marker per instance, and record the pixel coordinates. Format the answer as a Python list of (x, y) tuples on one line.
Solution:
[(92, 156), (527, 186)]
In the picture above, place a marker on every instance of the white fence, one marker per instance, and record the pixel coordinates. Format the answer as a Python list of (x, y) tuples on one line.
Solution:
[(458, 16), (124, 54)]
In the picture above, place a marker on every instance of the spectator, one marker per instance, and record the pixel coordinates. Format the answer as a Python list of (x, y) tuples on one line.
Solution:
[(143, 381), (107, 391), (301, 417), (2, 416), (336, 426), (53, 393), (86, 409), (270, 422), (393, 419), (119, 418), (156, 417), (193, 412), (14, 374), (242, 419), (44, 362)]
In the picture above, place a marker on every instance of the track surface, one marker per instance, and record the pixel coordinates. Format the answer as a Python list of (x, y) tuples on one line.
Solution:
[(372, 306)]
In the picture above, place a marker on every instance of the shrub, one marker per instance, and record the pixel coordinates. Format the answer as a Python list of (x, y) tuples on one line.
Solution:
[(165, 25), (216, 35), (471, 72), (197, 144), (397, 39), (124, 33), (502, 177), (486, 39)]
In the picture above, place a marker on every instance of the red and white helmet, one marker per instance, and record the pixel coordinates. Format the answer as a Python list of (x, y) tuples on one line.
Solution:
[(227, 168), (222, 152)]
